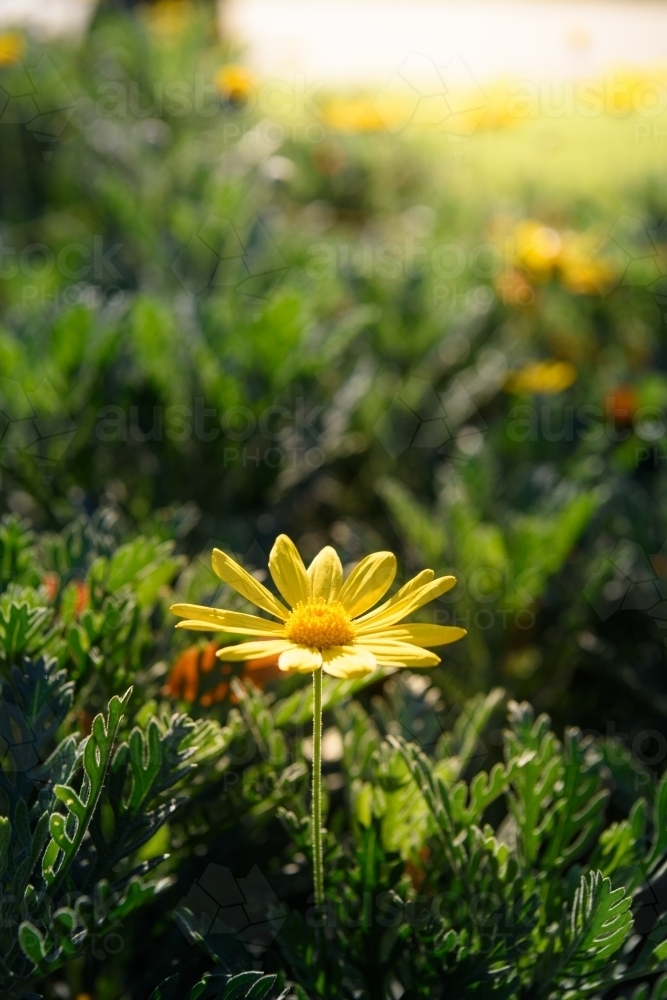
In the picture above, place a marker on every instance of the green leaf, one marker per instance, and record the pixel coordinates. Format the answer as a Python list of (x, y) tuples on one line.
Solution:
[(97, 751), (533, 763), (166, 989), (145, 763), (248, 986), (32, 943), (5, 840), (600, 921), (579, 809), (659, 838)]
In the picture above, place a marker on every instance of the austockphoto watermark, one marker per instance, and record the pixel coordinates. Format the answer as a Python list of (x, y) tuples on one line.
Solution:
[(387, 910), (237, 92), (277, 425), (588, 422), (409, 258), (89, 266), (277, 438), (648, 747), (91, 914), (650, 132), (626, 255), (611, 94), (500, 599), (448, 97)]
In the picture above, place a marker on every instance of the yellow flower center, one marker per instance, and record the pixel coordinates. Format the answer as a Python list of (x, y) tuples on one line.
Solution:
[(319, 625)]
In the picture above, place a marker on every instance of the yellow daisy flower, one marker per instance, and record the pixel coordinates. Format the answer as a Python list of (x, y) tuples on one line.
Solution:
[(169, 18), (236, 83), (12, 47), (547, 377), (329, 622)]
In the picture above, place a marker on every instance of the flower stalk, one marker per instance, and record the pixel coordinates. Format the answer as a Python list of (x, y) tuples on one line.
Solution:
[(318, 866)]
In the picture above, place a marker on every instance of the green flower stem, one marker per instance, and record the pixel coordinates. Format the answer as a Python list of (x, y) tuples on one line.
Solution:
[(317, 788)]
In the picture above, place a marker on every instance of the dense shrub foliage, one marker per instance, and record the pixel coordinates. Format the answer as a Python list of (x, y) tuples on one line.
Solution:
[(461, 858)]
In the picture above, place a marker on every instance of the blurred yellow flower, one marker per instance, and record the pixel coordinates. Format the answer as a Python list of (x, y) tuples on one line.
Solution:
[(543, 253), (12, 47), (634, 89), (168, 18), (357, 114), (548, 377), (235, 83), (581, 270), (537, 248), (393, 110), (499, 111), (329, 623)]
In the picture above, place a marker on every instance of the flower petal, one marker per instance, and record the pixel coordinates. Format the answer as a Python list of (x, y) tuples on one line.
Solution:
[(288, 572), (325, 574), (415, 583), (347, 661), (301, 659), (262, 662), (420, 635), (382, 617), (213, 619), (368, 582), (252, 650), (401, 665), (399, 653), (240, 579)]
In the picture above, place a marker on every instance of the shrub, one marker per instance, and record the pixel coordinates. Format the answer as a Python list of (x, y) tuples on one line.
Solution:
[(458, 860)]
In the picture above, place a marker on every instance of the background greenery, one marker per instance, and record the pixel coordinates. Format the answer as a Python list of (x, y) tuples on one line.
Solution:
[(172, 381)]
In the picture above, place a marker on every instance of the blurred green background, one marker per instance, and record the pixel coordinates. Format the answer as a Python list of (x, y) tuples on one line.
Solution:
[(364, 331)]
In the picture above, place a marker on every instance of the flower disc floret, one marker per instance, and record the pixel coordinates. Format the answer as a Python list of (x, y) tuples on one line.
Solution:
[(319, 625)]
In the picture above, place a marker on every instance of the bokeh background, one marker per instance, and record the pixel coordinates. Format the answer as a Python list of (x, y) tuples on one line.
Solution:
[(373, 274)]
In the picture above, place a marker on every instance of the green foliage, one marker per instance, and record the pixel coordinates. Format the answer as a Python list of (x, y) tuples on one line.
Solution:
[(445, 879), (458, 862), (57, 860), (244, 986), (188, 400), (78, 811), (530, 549)]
